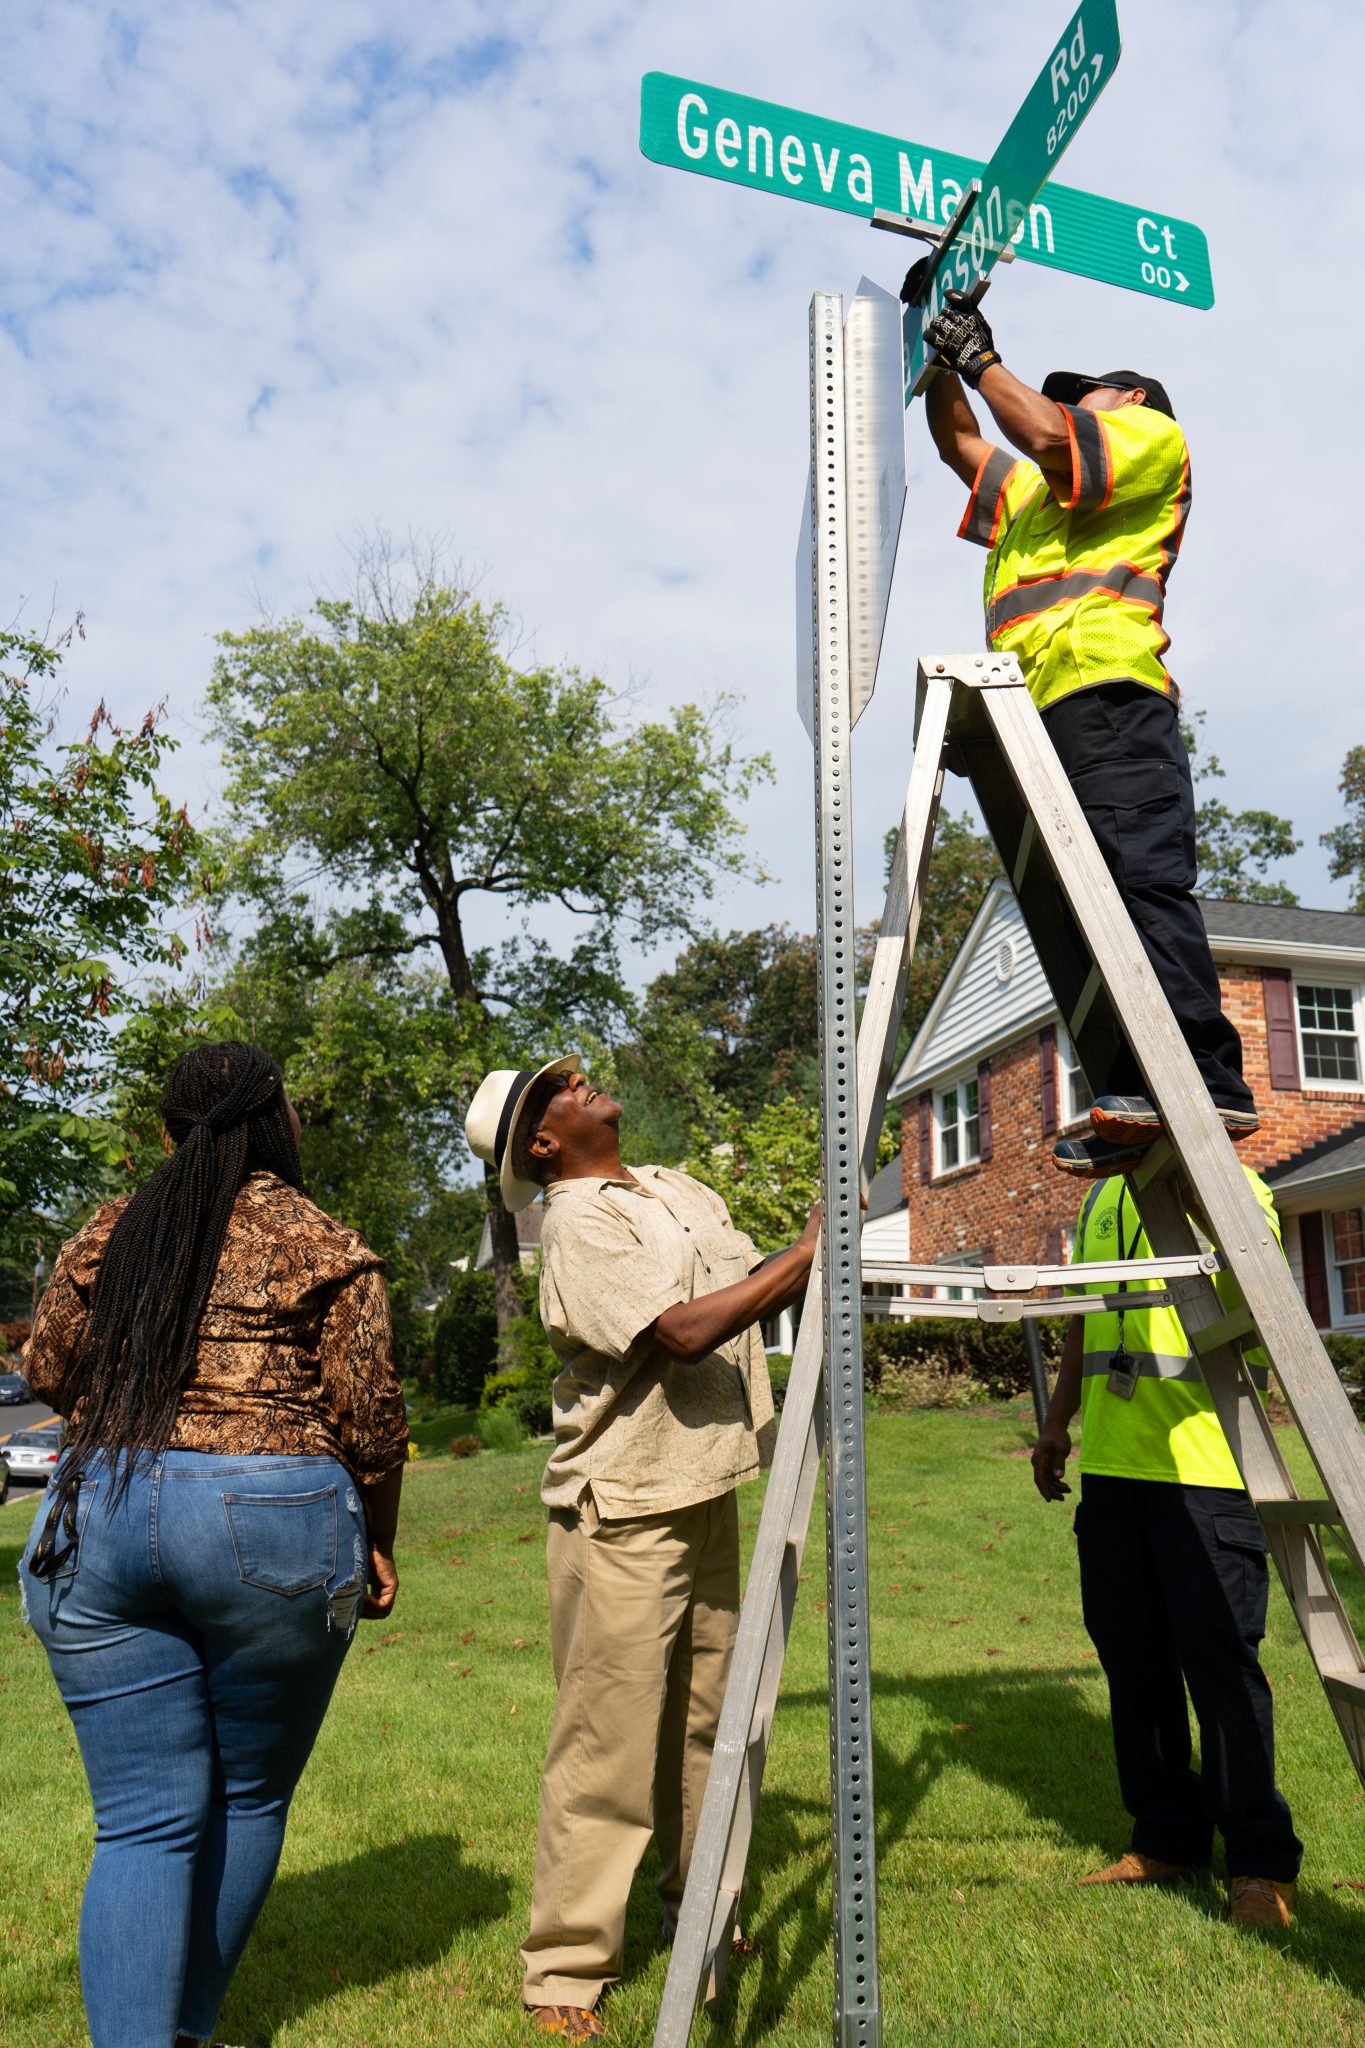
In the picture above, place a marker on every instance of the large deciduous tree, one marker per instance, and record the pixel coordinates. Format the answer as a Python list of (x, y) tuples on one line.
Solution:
[(407, 791), (97, 867)]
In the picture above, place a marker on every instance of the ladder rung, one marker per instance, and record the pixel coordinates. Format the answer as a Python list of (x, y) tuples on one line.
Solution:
[(1346, 1685), (1316, 1512), (1229, 1329)]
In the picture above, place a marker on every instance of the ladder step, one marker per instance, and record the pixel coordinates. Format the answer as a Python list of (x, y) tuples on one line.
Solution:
[(1320, 1513), (1229, 1329), (1348, 1686)]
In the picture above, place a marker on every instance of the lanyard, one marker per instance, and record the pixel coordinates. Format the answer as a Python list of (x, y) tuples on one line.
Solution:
[(1129, 1254)]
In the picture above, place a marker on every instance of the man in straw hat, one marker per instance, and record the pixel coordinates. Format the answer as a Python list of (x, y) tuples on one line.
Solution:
[(651, 1299)]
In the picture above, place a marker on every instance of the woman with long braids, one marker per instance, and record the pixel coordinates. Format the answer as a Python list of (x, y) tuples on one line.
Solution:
[(224, 1510)]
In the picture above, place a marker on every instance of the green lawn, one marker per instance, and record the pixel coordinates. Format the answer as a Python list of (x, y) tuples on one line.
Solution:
[(403, 1892)]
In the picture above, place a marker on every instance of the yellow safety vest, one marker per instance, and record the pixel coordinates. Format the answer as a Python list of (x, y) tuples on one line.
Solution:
[(1075, 586), (1167, 1429)]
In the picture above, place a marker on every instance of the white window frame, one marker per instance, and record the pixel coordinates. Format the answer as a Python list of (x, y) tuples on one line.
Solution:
[(1069, 1070), (955, 1086), (958, 1259), (1336, 1288), (1357, 995)]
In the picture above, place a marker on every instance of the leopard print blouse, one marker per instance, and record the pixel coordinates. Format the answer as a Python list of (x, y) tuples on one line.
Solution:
[(295, 1347)]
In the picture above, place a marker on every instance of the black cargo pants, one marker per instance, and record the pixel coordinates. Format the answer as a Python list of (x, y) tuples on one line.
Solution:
[(1174, 1582), (1121, 748)]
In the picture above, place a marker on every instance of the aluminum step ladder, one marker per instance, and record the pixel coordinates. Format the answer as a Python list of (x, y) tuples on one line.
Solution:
[(974, 715)]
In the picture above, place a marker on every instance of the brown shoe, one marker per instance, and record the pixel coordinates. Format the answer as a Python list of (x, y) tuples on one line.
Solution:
[(1260, 1902), (1135, 1868), (569, 2022)]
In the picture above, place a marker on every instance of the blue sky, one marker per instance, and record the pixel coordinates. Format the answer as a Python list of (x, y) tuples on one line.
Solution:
[(273, 274)]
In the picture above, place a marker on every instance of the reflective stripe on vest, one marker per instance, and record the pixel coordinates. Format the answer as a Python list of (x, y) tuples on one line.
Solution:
[(1158, 1365), (1026, 600)]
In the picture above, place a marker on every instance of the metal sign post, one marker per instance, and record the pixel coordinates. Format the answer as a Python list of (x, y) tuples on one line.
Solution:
[(857, 1999)]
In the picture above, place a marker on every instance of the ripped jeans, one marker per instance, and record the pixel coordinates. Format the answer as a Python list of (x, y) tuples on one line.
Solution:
[(195, 1632)]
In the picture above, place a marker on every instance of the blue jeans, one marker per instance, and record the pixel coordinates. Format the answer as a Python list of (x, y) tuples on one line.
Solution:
[(195, 1635)]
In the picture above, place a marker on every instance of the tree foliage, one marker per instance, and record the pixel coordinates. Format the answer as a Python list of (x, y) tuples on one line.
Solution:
[(751, 999), (1234, 849), (1346, 843), (406, 792), (97, 866)]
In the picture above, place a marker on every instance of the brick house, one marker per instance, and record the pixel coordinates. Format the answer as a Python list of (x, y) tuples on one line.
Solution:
[(991, 1081)]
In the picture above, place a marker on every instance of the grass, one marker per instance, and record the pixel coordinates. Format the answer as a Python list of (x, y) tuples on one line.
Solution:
[(404, 1888)]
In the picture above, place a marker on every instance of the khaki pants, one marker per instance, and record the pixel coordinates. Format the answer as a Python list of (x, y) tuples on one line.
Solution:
[(642, 1622)]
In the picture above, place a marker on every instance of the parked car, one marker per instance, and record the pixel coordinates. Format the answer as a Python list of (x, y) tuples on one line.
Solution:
[(14, 1389), (32, 1453)]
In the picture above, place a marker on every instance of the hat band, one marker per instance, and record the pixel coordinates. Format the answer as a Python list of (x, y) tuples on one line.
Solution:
[(509, 1107)]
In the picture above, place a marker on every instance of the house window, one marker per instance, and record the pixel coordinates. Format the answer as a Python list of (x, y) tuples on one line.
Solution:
[(1072, 1086), (958, 1259), (957, 1125), (1329, 1032), (1348, 1260)]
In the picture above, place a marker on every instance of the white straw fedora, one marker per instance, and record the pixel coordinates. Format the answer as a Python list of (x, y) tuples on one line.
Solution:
[(492, 1119)]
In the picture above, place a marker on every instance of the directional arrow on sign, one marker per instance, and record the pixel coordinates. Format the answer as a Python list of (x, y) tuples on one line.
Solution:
[(1067, 87)]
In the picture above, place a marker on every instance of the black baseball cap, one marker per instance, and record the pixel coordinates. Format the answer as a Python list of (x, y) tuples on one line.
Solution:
[(1066, 386)]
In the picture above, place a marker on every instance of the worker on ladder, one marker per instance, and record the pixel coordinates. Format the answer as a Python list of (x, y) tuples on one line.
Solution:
[(1174, 1582), (1081, 537)]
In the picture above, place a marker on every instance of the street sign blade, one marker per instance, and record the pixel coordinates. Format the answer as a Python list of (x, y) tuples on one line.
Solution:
[(1061, 96), (770, 148), (873, 501)]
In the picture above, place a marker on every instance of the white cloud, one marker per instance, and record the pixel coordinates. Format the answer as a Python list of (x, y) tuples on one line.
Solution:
[(273, 273)]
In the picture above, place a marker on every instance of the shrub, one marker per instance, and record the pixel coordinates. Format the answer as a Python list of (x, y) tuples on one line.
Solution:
[(990, 1354), (465, 1341), (1348, 1356), (925, 1383), (499, 1430), (779, 1372), (465, 1447)]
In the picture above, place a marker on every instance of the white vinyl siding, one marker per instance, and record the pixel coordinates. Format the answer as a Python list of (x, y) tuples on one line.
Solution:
[(984, 1010), (1329, 1019)]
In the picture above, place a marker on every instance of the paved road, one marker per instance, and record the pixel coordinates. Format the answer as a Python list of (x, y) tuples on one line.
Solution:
[(28, 1417)]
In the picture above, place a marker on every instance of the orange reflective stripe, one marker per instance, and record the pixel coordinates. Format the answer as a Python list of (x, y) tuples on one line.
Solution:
[(981, 520)]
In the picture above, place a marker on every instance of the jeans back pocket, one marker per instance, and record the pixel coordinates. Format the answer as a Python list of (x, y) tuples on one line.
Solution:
[(284, 1542)]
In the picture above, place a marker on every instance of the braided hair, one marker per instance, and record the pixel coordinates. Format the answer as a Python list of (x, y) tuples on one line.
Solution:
[(224, 1106)]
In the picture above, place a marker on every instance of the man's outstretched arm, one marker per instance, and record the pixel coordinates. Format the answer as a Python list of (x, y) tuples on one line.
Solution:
[(1036, 425), (690, 1329)]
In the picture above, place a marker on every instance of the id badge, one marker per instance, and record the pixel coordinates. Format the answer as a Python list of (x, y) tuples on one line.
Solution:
[(1123, 1375)]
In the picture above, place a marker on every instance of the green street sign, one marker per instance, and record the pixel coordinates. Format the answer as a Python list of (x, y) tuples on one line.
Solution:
[(721, 134), (1061, 96)]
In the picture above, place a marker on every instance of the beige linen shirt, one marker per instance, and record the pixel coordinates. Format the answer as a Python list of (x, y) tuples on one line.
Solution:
[(640, 1432)]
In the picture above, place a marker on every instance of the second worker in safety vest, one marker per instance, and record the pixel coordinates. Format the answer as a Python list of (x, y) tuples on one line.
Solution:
[(1081, 537)]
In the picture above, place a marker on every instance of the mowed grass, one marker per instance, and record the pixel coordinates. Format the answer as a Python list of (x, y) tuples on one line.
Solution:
[(403, 1892)]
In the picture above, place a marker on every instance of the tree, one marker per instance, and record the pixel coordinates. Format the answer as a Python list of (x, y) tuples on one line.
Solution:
[(1346, 843), (1234, 848), (751, 998), (766, 1165), (391, 755), (96, 868)]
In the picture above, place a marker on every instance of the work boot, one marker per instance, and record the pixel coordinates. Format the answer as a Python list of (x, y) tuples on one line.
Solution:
[(1260, 1902), (1094, 1158), (1135, 1868), (1136, 1120), (567, 2022)]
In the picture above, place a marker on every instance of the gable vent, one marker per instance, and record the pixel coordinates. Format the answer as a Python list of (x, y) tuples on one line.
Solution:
[(1005, 960)]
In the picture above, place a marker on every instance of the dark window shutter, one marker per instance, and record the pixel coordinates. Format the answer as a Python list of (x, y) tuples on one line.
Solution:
[(1054, 1247), (926, 1137), (983, 1109), (1314, 1268), (1277, 985), (1047, 1076)]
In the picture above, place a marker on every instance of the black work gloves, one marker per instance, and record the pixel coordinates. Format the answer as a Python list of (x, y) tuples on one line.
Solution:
[(962, 338)]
